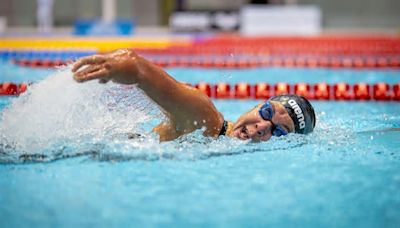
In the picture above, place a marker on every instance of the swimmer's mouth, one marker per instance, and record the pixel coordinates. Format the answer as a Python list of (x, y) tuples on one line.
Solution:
[(244, 134)]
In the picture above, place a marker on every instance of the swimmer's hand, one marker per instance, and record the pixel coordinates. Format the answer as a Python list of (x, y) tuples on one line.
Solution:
[(120, 66)]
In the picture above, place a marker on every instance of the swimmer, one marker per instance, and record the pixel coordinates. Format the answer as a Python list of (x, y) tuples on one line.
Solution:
[(188, 109)]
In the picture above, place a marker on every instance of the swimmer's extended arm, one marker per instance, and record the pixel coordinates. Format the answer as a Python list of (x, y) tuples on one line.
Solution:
[(181, 102)]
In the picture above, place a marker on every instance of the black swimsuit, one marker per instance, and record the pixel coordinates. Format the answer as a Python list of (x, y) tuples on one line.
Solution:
[(224, 128)]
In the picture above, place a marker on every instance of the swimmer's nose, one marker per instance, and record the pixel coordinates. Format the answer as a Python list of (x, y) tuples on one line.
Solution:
[(258, 131)]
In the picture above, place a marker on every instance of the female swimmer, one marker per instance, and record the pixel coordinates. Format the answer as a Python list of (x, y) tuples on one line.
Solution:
[(188, 109)]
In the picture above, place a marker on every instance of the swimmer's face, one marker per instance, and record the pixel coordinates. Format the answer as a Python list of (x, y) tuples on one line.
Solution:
[(252, 126)]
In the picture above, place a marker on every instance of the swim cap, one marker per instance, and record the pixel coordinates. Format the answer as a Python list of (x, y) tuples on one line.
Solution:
[(300, 110)]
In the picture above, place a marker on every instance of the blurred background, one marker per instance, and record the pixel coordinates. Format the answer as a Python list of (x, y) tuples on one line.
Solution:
[(130, 16), (238, 52)]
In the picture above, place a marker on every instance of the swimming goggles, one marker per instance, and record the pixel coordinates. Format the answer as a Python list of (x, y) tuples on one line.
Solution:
[(267, 112)]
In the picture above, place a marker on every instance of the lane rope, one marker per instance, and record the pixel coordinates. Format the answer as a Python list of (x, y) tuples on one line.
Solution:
[(201, 62), (320, 91)]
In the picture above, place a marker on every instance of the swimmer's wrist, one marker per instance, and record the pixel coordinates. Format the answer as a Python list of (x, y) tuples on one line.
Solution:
[(130, 70)]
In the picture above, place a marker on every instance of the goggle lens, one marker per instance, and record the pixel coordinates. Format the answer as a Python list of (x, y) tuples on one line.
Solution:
[(267, 112), (278, 131)]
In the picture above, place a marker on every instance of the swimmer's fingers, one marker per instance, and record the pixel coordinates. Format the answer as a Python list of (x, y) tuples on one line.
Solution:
[(95, 59), (101, 74), (87, 70)]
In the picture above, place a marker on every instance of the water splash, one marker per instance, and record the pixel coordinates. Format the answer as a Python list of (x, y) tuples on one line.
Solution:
[(59, 118), (58, 111)]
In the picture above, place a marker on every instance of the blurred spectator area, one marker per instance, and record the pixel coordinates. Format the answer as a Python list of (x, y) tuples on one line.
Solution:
[(336, 13)]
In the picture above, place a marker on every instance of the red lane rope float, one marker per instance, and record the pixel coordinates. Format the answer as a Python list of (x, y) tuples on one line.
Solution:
[(12, 89), (362, 91), (39, 63), (303, 89), (222, 90), (319, 91), (242, 90), (211, 62), (381, 91), (262, 91), (322, 91), (204, 87), (396, 92), (342, 91), (9, 88), (281, 88)]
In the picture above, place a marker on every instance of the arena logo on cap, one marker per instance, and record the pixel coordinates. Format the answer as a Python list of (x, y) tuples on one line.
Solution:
[(299, 113)]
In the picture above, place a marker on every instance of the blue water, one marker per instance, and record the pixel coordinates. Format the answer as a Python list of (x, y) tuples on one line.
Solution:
[(345, 174)]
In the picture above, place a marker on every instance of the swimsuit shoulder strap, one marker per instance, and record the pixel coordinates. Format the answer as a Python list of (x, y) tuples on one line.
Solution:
[(224, 128)]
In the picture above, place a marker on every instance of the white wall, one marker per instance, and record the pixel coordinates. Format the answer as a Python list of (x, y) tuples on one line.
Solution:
[(359, 13), (215, 4)]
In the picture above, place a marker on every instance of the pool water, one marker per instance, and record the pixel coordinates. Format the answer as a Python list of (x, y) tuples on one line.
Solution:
[(66, 160)]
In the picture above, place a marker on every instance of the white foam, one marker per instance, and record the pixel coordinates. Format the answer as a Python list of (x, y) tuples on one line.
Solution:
[(59, 110), (59, 118)]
